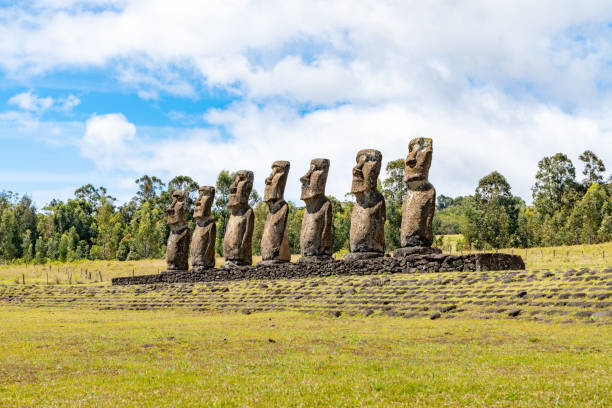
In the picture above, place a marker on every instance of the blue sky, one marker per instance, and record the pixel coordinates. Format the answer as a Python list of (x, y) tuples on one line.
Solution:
[(103, 91)]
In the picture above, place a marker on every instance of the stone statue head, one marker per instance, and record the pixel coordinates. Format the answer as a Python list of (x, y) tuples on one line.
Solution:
[(177, 211), (240, 190), (418, 160), (365, 173), (276, 181), (204, 202), (313, 182)]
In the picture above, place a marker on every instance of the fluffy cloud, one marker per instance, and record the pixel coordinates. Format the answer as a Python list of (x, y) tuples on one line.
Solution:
[(107, 140), (507, 137), (319, 51), (31, 102), (498, 85)]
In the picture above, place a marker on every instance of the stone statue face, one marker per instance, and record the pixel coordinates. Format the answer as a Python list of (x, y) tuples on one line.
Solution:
[(365, 173), (240, 190), (204, 202), (177, 211), (313, 182), (276, 181), (418, 160)]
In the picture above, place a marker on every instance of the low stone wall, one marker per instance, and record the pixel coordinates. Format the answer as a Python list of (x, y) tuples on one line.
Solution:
[(408, 264)]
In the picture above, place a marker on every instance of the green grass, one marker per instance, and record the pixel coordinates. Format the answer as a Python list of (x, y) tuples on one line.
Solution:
[(70, 357)]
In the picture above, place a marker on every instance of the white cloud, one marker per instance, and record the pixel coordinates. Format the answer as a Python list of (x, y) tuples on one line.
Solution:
[(319, 51), (106, 140), (31, 102), (498, 85), (68, 103), (507, 137)]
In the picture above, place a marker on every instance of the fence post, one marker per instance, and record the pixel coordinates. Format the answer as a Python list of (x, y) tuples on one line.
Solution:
[(100, 272), (23, 277), (582, 254), (47, 278)]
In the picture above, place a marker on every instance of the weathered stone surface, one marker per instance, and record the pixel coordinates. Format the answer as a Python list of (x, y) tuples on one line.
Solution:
[(274, 241), (411, 264), (239, 230), (315, 235), (354, 256), (417, 250), (420, 200), (367, 233), (177, 249), (205, 232)]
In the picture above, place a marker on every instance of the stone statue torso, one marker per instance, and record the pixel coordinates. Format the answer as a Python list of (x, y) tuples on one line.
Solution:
[(315, 235), (368, 225), (203, 244), (238, 236), (417, 216), (274, 242), (177, 249)]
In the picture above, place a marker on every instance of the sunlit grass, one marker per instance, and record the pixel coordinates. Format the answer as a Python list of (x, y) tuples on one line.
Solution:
[(71, 357)]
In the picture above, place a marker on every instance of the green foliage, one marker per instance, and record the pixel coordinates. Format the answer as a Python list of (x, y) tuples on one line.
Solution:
[(220, 210), (341, 223), (555, 186), (261, 213), (593, 168), (294, 227), (394, 190)]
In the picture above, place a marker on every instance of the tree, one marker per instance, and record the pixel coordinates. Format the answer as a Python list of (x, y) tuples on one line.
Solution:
[(586, 218), (261, 213), (149, 188), (492, 214), (341, 223), (444, 202), (220, 210), (93, 196), (394, 190), (9, 235), (110, 226), (145, 229), (593, 168), (555, 186), (294, 227)]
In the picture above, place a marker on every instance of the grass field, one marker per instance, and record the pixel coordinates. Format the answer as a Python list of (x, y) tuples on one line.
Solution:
[(349, 341), (89, 272), (71, 357)]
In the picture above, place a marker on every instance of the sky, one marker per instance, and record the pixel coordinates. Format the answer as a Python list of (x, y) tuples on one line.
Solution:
[(104, 91)]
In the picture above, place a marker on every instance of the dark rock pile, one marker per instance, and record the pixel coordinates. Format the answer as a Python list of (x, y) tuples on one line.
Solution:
[(408, 264)]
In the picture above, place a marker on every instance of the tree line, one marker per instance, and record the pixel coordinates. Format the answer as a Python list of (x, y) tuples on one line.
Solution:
[(91, 225)]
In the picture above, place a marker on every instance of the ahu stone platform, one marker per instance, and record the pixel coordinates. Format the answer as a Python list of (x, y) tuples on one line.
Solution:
[(373, 266)]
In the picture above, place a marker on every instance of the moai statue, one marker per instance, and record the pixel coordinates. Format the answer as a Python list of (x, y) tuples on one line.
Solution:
[(420, 201), (274, 242), (239, 229), (367, 235), (205, 232), (177, 250), (315, 236)]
